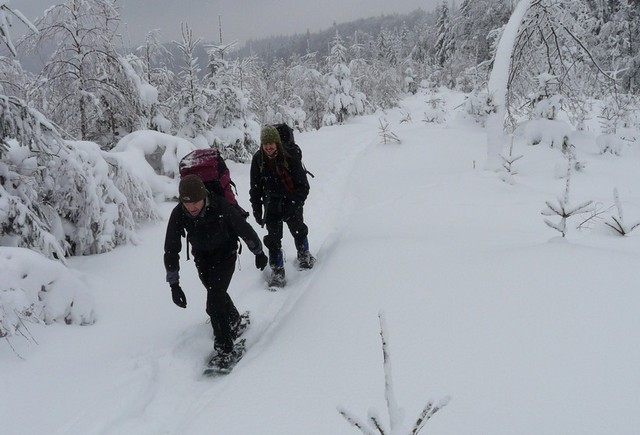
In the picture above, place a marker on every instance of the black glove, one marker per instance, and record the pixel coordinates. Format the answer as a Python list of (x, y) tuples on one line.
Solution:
[(257, 215), (261, 261), (178, 296)]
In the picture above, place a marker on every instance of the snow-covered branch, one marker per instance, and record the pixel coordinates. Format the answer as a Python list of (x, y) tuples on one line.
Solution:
[(617, 223), (395, 412)]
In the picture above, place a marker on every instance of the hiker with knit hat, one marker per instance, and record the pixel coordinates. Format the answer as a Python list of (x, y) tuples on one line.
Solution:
[(212, 227), (279, 188)]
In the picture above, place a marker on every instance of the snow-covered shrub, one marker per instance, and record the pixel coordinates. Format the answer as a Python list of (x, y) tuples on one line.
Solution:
[(479, 105), (56, 197), (610, 143), (154, 156), (546, 101), (435, 111), (386, 134), (162, 151), (37, 289), (136, 190), (616, 112), (25, 221), (552, 133), (237, 142)]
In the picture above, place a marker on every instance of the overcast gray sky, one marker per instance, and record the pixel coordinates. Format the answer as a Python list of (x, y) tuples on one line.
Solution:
[(241, 19)]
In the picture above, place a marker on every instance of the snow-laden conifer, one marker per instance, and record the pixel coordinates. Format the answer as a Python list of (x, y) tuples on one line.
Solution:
[(232, 123), (395, 413), (343, 101)]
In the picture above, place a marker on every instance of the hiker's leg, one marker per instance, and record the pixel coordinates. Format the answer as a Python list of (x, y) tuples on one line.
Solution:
[(298, 229), (220, 308), (273, 241)]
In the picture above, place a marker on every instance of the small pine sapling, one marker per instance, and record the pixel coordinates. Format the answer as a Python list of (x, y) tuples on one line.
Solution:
[(563, 207), (396, 413), (386, 134), (435, 111), (507, 164), (405, 117), (618, 223)]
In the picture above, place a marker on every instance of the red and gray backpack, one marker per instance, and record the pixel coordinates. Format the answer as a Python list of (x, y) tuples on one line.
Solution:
[(209, 165)]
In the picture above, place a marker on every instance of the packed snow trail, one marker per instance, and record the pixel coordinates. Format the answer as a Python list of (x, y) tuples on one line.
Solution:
[(482, 302), (162, 375)]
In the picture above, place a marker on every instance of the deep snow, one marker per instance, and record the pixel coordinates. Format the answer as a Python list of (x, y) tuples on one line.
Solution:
[(527, 333)]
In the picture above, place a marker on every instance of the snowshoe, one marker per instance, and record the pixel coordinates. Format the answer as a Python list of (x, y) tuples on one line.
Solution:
[(277, 278), (221, 363), (305, 260)]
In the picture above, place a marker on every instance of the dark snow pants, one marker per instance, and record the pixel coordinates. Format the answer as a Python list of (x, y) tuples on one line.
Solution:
[(294, 218), (216, 277)]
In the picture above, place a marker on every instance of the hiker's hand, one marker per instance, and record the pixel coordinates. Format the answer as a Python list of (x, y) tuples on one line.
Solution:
[(178, 296), (261, 261)]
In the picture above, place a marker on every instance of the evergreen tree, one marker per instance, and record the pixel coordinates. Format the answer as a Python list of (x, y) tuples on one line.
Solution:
[(343, 101), (191, 100), (229, 114), (444, 43), (155, 60), (310, 85)]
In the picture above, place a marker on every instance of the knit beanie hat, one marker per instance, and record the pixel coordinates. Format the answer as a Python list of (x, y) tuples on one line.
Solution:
[(191, 189), (270, 135)]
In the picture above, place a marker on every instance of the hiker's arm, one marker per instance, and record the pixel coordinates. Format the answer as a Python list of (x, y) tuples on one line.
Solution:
[(242, 228), (173, 246), (255, 187)]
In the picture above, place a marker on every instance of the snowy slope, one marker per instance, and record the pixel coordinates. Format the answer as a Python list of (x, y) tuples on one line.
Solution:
[(528, 334)]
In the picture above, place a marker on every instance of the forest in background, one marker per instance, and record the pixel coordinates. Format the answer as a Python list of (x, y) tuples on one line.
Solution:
[(65, 191)]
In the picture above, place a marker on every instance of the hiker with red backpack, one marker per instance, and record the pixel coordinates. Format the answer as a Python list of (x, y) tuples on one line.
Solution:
[(212, 226), (279, 188)]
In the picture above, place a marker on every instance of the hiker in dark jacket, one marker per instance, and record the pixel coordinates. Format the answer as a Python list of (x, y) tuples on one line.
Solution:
[(212, 227), (279, 186)]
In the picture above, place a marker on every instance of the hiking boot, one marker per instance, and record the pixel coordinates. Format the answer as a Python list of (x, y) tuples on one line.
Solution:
[(241, 325), (305, 260), (277, 278), (276, 259), (222, 355), (224, 360), (221, 360)]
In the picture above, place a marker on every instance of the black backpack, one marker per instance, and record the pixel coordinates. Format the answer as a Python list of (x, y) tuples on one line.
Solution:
[(289, 144)]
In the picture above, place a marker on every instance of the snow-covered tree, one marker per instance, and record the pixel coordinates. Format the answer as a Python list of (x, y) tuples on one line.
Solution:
[(498, 85), (59, 198), (343, 101), (309, 84), (155, 59), (444, 43), (191, 101), (233, 123), (6, 13), (87, 91)]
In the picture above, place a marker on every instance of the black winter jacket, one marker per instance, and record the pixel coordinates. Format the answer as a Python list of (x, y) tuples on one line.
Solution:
[(268, 185), (213, 233)]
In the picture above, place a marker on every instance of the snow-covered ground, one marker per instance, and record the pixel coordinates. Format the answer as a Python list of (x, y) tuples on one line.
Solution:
[(526, 332)]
